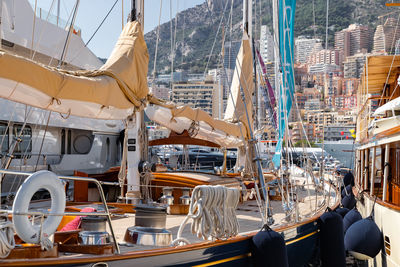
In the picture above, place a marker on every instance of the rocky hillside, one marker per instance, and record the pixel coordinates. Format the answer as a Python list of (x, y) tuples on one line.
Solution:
[(196, 28)]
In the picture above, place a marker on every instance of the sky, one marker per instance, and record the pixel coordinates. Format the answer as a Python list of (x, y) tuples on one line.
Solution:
[(92, 12)]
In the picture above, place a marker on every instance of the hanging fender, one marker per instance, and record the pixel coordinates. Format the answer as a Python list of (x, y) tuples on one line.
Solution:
[(23, 226)]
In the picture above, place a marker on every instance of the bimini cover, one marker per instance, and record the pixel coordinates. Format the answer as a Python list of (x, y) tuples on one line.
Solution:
[(112, 92), (391, 105)]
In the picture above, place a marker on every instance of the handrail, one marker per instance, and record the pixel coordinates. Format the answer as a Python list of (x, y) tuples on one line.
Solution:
[(77, 178)]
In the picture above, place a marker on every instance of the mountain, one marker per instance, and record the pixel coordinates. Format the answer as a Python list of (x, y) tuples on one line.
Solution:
[(196, 28)]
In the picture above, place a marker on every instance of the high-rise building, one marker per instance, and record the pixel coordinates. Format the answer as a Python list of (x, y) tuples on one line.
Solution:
[(355, 39), (231, 49), (201, 95), (353, 66), (326, 56), (304, 47), (386, 37), (266, 44)]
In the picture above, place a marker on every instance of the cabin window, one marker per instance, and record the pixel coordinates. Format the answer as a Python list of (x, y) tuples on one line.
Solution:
[(62, 141), (108, 148), (82, 144), (25, 146), (69, 142), (4, 142)]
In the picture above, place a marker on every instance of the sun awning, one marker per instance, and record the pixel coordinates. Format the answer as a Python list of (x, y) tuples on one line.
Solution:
[(112, 92), (378, 71)]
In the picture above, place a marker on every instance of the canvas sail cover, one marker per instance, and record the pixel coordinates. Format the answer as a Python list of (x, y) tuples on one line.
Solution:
[(242, 80), (197, 122), (112, 92)]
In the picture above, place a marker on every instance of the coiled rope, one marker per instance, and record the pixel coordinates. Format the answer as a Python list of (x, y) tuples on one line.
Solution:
[(212, 210), (7, 242)]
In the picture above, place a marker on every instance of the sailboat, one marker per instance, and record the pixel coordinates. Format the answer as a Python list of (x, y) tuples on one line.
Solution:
[(223, 228), (63, 144)]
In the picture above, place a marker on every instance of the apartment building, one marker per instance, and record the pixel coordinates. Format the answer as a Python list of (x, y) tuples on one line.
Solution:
[(355, 39), (304, 47), (386, 37), (203, 95)]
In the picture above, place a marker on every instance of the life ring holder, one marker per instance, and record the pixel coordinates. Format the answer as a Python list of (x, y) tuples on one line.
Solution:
[(23, 226)]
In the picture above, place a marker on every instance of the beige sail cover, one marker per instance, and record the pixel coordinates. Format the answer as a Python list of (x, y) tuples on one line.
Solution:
[(231, 130), (242, 77), (112, 92)]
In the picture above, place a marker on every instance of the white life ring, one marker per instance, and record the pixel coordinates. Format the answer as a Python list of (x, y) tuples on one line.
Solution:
[(39, 180)]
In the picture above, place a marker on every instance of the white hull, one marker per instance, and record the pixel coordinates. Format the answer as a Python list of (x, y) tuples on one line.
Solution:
[(388, 221)]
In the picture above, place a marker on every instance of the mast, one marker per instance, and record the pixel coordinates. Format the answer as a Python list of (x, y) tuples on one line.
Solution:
[(253, 151), (135, 141)]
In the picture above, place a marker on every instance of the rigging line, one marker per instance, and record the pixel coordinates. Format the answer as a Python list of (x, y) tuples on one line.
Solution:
[(183, 32), (44, 136), (260, 203), (15, 143), (25, 155), (8, 128), (170, 26), (42, 31), (68, 34), (291, 56), (157, 41), (174, 43), (212, 49), (65, 26), (261, 178), (391, 65), (97, 29), (122, 14), (33, 28), (215, 38), (314, 27)]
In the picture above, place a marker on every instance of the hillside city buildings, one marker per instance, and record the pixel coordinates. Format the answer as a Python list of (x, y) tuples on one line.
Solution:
[(326, 81)]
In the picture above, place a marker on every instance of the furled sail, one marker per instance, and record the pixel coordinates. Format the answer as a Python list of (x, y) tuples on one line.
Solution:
[(197, 122), (112, 92), (286, 41), (242, 80)]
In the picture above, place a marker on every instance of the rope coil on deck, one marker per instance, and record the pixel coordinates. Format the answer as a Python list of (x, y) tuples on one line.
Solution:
[(212, 210), (7, 242)]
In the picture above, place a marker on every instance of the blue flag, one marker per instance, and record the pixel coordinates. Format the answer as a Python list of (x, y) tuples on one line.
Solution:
[(286, 89)]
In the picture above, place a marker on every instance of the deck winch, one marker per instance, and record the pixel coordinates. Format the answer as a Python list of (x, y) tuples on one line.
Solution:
[(94, 231), (149, 229)]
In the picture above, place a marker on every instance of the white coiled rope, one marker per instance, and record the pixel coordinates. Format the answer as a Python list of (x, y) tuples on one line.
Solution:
[(212, 210), (7, 242)]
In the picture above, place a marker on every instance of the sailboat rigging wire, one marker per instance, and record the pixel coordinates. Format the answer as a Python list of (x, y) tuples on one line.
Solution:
[(33, 27), (260, 203), (264, 188), (8, 127), (173, 39), (157, 41), (68, 34), (42, 31), (44, 136), (172, 51), (215, 39), (94, 33)]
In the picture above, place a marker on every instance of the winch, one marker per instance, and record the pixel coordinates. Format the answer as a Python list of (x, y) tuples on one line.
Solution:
[(94, 231), (149, 229)]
